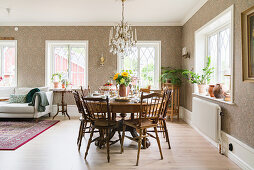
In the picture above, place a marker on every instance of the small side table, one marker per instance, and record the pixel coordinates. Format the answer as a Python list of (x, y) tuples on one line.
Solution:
[(62, 107)]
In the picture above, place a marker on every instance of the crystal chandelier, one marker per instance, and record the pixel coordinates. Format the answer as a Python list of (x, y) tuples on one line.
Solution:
[(122, 38)]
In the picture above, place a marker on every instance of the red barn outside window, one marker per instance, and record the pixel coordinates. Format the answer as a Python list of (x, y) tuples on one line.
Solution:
[(7, 63), (70, 60)]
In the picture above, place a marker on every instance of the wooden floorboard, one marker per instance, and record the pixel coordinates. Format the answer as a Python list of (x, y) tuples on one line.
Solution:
[(56, 149)]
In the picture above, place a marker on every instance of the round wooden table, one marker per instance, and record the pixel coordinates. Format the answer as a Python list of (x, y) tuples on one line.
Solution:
[(124, 108)]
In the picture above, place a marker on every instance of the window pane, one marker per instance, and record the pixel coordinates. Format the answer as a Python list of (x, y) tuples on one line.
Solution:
[(224, 53), (131, 62), (212, 52), (78, 65), (8, 66), (142, 63), (61, 59), (147, 57)]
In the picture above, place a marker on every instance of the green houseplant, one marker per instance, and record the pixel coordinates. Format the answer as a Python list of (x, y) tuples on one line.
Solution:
[(203, 79), (175, 76), (56, 79)]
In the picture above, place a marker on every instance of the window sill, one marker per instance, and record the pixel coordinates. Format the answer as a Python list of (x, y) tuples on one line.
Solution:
[(214, 99)]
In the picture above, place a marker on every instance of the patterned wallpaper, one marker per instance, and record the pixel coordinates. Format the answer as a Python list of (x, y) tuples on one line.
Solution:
[(31, 50), (239, 118)]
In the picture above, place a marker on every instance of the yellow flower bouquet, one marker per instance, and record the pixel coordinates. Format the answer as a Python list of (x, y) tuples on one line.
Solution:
[(123, 78)]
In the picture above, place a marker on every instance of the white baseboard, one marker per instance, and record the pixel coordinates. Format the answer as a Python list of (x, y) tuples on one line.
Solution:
[(71, 109), (242, 154), (185, 114)]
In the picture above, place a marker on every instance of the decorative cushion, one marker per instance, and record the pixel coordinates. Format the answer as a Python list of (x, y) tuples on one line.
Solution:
[(30, 95), (17, 98)]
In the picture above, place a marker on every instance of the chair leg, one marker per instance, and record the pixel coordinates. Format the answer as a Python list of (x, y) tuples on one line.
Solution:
[(81, 135), (107, 136), (84, 129), (79, 132), (89, 142), (144, 133), (139, 145), (166, 132), (123, 134), (158, 141), (120, 139)]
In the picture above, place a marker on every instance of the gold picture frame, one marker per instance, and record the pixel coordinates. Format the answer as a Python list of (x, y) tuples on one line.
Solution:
[(247, 26)]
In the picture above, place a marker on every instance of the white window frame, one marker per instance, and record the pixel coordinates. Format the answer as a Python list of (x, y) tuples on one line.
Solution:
[(49, 53), (10, 42), (226, 18), (216, 32), (157, 62)]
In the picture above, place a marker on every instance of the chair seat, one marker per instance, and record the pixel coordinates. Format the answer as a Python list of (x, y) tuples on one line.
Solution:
[(102, 123), (145, 123)]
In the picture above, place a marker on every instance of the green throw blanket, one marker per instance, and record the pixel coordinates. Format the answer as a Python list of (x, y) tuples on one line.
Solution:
[(42, 99)]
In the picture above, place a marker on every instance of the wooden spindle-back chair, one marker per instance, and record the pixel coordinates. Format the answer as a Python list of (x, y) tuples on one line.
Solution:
[(85, 92), (163, 115), (150, 109), (98, 113), (83, 119)]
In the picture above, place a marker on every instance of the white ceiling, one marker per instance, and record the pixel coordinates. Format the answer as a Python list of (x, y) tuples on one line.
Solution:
[(97, 12)]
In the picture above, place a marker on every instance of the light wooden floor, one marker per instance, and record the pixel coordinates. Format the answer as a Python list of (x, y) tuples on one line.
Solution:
[(56, 149)]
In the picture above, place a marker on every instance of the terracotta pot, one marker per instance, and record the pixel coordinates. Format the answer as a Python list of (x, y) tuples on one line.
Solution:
[(210, 90), (63, 86), (123, 90), (201, 89), (218, 91), (56, 85)]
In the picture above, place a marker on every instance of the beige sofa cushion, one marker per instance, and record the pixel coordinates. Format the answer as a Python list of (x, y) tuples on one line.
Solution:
[(6, 107), (26, 90), (22, 90), (6, 91)]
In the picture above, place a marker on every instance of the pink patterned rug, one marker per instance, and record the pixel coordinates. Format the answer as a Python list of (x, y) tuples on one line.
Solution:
[(14, 134)]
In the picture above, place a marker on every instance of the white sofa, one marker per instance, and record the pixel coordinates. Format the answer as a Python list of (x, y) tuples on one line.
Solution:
[(22, 110)]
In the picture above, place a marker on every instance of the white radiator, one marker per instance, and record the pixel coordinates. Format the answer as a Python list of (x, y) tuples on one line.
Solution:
[(206, 118)]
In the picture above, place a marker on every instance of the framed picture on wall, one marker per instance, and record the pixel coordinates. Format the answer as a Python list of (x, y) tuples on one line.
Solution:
[(247, 25)]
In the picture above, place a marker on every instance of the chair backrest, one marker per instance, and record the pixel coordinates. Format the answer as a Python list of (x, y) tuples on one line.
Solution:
[(97, 108), (145, 90), (79, 103), (85, 92), (151, 106), (167, 100)]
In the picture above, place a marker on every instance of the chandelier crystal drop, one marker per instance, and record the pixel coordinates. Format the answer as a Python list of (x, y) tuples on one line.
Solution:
[(122, 38)]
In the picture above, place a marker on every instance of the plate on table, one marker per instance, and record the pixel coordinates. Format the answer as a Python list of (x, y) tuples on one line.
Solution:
[(122, 99)]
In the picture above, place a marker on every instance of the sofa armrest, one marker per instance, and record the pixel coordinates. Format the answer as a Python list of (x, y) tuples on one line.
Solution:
[(49, 95)]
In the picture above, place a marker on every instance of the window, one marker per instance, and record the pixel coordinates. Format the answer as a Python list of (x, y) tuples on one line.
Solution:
[(218, 47), (144, 63), (8, 58), (68, 58), (215, 39)]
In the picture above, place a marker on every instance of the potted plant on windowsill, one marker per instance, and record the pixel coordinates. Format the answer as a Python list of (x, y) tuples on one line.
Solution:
[(123, 80), (173, 76), (203, 79), (56, 79), (64, 83)]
